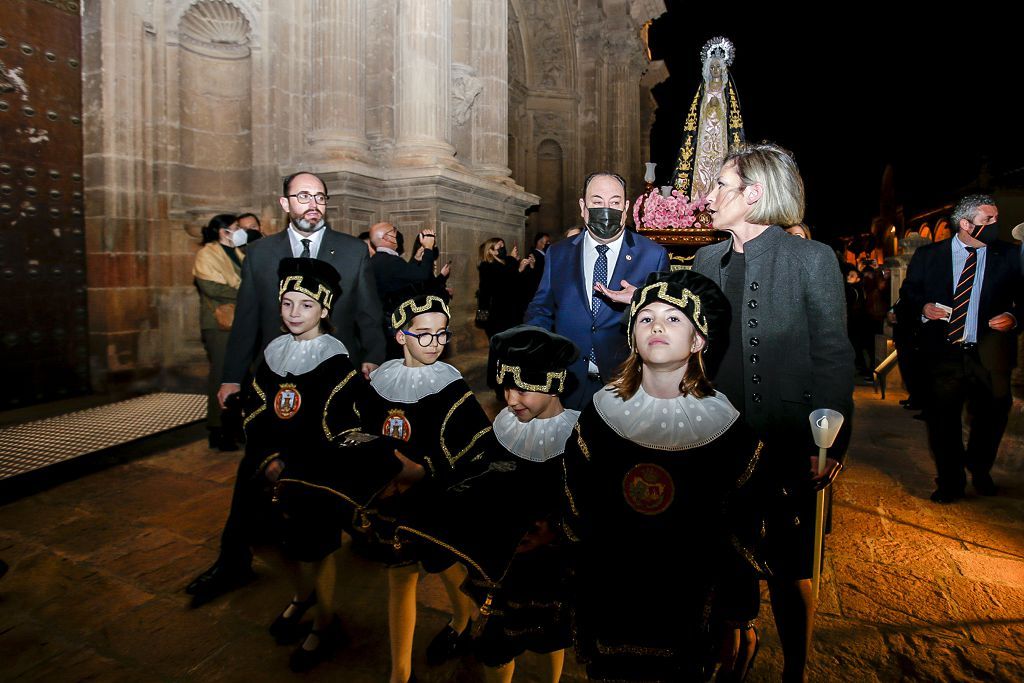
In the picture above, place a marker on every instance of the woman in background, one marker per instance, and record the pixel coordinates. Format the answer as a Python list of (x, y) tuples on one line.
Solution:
[(217, 272), (500, 281)]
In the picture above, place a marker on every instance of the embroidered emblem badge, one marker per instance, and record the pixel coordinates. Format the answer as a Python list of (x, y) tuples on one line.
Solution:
[(648, 489), (397, 426), (287, 401)]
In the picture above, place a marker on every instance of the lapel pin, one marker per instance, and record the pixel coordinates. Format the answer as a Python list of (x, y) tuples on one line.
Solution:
[(629, 257), (332, 252)]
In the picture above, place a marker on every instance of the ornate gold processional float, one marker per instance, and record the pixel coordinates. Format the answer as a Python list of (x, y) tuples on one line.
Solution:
[(676, 215)]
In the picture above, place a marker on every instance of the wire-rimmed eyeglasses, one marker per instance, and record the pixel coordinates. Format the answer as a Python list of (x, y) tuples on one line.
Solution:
[(305, 197), (426, 338)]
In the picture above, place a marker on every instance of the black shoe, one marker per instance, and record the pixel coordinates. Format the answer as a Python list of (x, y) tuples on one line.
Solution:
[(288, 630), (222, 440), (984, 485), (448, 644), (328, 641), (218, 580), (943, 496)]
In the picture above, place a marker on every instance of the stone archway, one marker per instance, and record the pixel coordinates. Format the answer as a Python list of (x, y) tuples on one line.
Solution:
[(214, 106)]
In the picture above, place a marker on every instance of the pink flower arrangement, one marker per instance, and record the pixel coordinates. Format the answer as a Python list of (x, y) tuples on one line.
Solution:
[(653, 211)]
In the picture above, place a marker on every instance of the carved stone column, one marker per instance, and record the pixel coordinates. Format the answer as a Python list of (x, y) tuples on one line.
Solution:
[(422, 76), (625, 63), (337, 79), (490, 115)]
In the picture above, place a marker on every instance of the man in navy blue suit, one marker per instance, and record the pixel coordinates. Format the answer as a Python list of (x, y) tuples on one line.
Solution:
[(575, 298)]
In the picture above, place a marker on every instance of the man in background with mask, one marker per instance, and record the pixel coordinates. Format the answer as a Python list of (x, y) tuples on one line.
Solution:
[(582, 274), (355, 315), (968, 295)]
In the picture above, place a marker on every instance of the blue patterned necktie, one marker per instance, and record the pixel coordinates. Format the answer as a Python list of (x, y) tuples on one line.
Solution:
[(600, 277)]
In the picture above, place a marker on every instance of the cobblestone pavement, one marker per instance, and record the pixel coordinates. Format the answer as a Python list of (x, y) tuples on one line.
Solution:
[(912, 590)]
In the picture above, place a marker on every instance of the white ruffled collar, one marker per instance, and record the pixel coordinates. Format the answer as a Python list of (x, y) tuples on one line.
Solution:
[(538, 440), (666, 423), (397, 382), (288, 355)]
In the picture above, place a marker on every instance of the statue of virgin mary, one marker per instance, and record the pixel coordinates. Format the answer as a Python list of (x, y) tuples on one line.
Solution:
[(713, 124)]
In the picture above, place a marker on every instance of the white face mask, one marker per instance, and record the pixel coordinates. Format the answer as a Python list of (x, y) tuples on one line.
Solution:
[(239, 238)]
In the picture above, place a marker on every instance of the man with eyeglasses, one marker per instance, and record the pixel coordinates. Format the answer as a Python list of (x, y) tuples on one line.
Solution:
[(355, 316)]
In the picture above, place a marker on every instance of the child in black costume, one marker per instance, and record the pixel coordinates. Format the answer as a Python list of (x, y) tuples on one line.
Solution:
[(299, 402), (428, 408), (657, 480), (499, 519)]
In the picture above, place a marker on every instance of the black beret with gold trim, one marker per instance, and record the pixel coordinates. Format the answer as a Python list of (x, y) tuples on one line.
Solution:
[(699, 299), (418, 305), (530, 358), (315, 278)]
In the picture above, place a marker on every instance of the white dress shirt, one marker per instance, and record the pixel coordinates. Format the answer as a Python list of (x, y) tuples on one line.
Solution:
[(590, 255), (295, 239), (590, 258)]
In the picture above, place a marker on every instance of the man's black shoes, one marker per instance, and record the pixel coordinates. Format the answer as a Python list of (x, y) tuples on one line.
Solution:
[(945, 496), (218, 580), (984, 485)]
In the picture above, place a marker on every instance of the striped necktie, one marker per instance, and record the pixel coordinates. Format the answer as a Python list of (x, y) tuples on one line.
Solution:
[(962, 298)]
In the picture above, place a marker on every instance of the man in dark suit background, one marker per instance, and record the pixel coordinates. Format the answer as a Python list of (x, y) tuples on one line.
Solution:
[(393, 273), (575, 299), (356, 316), (968, 296)]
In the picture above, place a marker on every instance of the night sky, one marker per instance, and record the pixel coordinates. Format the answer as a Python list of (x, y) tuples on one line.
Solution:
[(852, 98)]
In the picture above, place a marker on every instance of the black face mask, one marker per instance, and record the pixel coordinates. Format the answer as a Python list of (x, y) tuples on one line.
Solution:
[(502, 253), (986, 234), (604, 223)]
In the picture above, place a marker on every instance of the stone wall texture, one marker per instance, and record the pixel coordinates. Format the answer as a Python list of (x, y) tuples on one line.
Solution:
[(455, 115)]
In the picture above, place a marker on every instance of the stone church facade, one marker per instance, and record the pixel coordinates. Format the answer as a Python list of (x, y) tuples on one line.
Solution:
[(475, 118)]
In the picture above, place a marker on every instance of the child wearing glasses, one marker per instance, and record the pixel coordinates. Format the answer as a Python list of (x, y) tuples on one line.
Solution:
[(426, 404)]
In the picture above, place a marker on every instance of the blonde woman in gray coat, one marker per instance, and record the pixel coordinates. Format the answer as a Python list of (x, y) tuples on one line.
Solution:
[(788, 354)]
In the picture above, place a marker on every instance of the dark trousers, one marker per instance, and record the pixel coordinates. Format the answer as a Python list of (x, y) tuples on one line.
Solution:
[(250, 515), (216, 344), (586, 387), (958, 378), (909, 360)]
